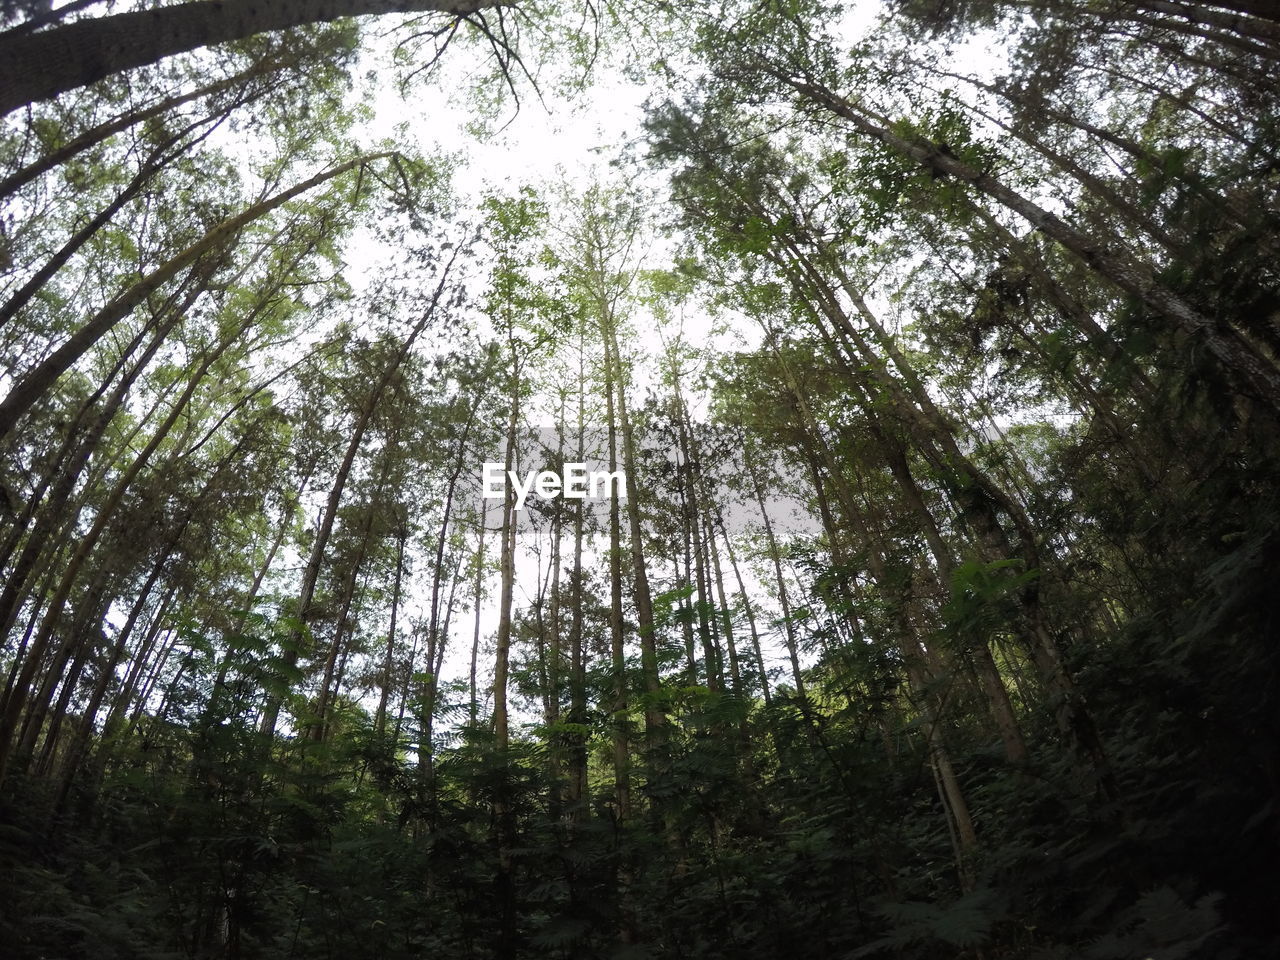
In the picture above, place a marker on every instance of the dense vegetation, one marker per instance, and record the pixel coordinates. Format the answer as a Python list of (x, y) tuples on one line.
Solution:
[(939, 341)]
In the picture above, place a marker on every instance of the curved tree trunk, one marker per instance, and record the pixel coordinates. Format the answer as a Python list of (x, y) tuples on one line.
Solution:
[(42, 65)]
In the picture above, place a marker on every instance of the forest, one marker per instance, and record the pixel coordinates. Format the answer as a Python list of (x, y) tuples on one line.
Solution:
[(937, 341)]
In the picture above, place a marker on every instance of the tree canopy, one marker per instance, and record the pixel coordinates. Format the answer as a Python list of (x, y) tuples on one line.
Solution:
[(930, 352)]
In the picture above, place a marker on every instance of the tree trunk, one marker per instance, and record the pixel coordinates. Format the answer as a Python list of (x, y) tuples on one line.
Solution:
[(577, 788), (775, 557), (655, 719), (380, 718), (621, 748), (475, 637), (44, 64), (747, 608), (328, 692)]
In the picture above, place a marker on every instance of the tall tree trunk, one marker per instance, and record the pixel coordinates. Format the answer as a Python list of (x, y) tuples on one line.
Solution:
[(577, 788), (380, 718), (747, 607), (555, 642), (503, 814), (475, 636), (72, 460), (435, 637), (506, 557), (619, 707), (775, 558), (712, 665), (135, 679), (316, 727), (655, 719), (41, 65)]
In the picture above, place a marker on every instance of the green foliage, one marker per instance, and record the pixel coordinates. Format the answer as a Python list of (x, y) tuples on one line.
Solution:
[(1022, 655), (963, 924), (984, 596)]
